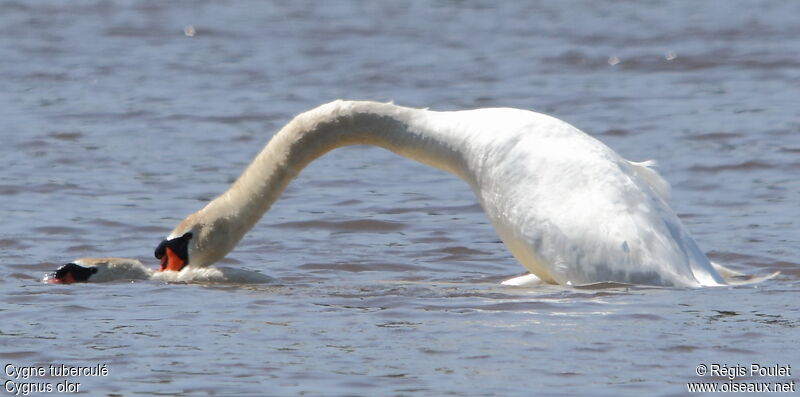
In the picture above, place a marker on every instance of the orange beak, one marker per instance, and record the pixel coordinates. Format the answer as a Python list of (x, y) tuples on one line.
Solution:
[(67, 279), (171, 261), (71, 273)]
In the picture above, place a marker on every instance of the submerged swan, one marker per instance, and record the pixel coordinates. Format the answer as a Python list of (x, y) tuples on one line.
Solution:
[(570, 209), (100, 270)]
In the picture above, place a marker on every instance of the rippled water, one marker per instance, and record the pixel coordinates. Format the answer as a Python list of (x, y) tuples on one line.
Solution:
[(116, 124)]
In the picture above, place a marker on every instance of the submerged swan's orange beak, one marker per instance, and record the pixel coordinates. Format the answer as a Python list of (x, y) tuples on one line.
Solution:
[(171, 261), (71, 273), (66, 279)]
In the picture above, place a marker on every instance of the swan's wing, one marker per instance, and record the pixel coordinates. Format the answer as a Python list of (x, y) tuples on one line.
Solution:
[(573, 210), (646, 171)]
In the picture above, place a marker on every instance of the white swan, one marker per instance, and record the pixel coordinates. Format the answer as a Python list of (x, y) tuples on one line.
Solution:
[(101, 270), (569, 208)]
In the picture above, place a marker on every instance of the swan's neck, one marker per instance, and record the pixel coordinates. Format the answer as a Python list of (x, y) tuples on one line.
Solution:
[(405, 131)]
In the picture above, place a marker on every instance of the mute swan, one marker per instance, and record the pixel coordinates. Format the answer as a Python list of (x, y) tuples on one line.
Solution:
[(570, 209), (100, 270)]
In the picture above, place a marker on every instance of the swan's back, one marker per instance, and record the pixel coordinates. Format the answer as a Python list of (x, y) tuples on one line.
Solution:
[(570, 209)]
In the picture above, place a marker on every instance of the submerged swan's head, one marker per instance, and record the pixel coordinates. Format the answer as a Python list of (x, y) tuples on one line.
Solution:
[(71, 273), (98, 270)]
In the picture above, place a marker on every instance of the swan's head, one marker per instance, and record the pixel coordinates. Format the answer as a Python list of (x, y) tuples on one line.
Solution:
[(174, 252), (198, 241), (71, 273), (98, 270)]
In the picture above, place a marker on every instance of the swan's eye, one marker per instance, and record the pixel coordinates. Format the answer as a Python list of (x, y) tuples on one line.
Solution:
[(71, 273)]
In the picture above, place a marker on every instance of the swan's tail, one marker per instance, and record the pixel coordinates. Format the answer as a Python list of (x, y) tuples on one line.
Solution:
[(733, 277)]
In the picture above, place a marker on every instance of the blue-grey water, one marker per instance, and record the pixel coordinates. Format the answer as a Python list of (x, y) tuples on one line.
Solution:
[(118, 118)]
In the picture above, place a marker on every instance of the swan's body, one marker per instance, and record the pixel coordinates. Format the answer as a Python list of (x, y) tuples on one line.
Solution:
[(102, 270), (569, 208)]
